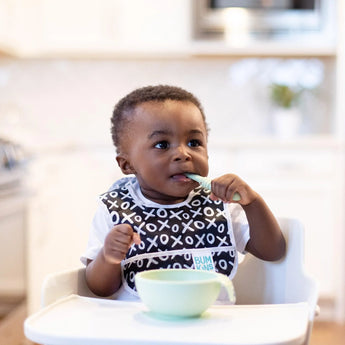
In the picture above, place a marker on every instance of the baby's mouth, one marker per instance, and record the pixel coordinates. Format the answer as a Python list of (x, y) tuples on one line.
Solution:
[(180, 178)]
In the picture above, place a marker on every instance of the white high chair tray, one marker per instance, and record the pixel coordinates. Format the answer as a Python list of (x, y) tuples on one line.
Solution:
[(77, 320)]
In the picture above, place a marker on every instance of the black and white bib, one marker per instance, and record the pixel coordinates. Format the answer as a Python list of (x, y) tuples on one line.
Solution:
[(194, 234)]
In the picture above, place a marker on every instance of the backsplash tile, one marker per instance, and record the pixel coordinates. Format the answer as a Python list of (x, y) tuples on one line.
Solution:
[(51, 103)]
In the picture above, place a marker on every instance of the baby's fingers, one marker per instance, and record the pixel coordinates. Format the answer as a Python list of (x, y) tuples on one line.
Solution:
[(232, 193), (118, 241), (236, 197), (213, 197), (227, 188), (136, 238)]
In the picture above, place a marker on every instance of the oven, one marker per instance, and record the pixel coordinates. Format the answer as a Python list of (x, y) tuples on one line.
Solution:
[(216, 19)]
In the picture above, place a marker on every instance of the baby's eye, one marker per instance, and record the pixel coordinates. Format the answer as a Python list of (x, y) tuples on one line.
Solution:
[(162, 145), (194, 143)]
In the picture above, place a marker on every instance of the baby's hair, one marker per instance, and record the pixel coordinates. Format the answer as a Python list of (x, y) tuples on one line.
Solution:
[(160, 93)]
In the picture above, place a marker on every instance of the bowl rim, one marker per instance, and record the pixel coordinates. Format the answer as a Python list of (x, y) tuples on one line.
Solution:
[(213, 276)]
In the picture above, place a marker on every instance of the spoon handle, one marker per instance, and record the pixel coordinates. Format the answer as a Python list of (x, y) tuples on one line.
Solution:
[(206, 183)]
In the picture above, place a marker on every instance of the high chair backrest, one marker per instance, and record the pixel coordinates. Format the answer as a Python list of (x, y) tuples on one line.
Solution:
[(283, 281)]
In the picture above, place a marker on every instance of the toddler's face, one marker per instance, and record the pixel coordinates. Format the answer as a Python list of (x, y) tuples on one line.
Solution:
[(164, 141)]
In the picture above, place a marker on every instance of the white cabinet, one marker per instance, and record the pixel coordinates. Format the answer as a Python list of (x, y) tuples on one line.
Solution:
[(12, 245), (48, 28), (298, 180), (94, 28)]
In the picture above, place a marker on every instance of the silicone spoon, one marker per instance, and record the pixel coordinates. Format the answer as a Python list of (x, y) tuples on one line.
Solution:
[(206, 183)]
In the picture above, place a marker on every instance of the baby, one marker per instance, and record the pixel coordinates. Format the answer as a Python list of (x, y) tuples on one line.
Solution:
[(158, 217)]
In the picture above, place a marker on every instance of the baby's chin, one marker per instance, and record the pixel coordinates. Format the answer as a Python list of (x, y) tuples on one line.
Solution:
[(169, 199)]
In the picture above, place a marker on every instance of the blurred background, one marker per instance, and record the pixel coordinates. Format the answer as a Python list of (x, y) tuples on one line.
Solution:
[(270, 75)]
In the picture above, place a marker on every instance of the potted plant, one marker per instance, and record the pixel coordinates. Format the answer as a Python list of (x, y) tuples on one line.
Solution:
[(287, 115), (285, 96)]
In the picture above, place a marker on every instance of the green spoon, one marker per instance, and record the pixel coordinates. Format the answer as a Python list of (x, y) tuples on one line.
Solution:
[(206, 183)]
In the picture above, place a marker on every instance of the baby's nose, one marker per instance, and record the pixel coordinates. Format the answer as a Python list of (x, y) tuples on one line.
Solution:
[(181, 153)]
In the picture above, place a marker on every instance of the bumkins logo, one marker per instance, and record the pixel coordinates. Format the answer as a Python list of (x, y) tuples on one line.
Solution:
[(203, 261)]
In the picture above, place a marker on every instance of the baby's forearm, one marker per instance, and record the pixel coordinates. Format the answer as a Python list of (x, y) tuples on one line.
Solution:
[(103, 278), (266, 239)]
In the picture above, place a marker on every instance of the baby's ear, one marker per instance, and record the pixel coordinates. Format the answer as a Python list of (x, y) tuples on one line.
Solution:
[(124, 164)]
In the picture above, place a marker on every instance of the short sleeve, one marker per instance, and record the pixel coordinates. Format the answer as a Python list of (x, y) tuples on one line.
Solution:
[(240, 227), (100, 227)]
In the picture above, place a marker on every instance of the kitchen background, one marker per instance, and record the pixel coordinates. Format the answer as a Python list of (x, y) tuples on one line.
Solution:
[(63, 66)]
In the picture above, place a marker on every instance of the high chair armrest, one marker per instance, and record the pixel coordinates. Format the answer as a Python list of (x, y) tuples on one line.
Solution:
[(62, 284)]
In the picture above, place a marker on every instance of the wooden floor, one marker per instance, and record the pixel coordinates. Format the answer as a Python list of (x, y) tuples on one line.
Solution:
[(327, 333), (11, 327), (11, 330)]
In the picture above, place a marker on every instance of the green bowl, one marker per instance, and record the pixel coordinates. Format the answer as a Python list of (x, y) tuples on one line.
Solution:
[(181, 292)]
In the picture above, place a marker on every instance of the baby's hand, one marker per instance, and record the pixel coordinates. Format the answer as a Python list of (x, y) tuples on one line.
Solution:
[(118, 241), (224, 188)]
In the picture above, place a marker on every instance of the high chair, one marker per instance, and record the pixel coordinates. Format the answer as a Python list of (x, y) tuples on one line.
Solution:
[(256, 282)]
